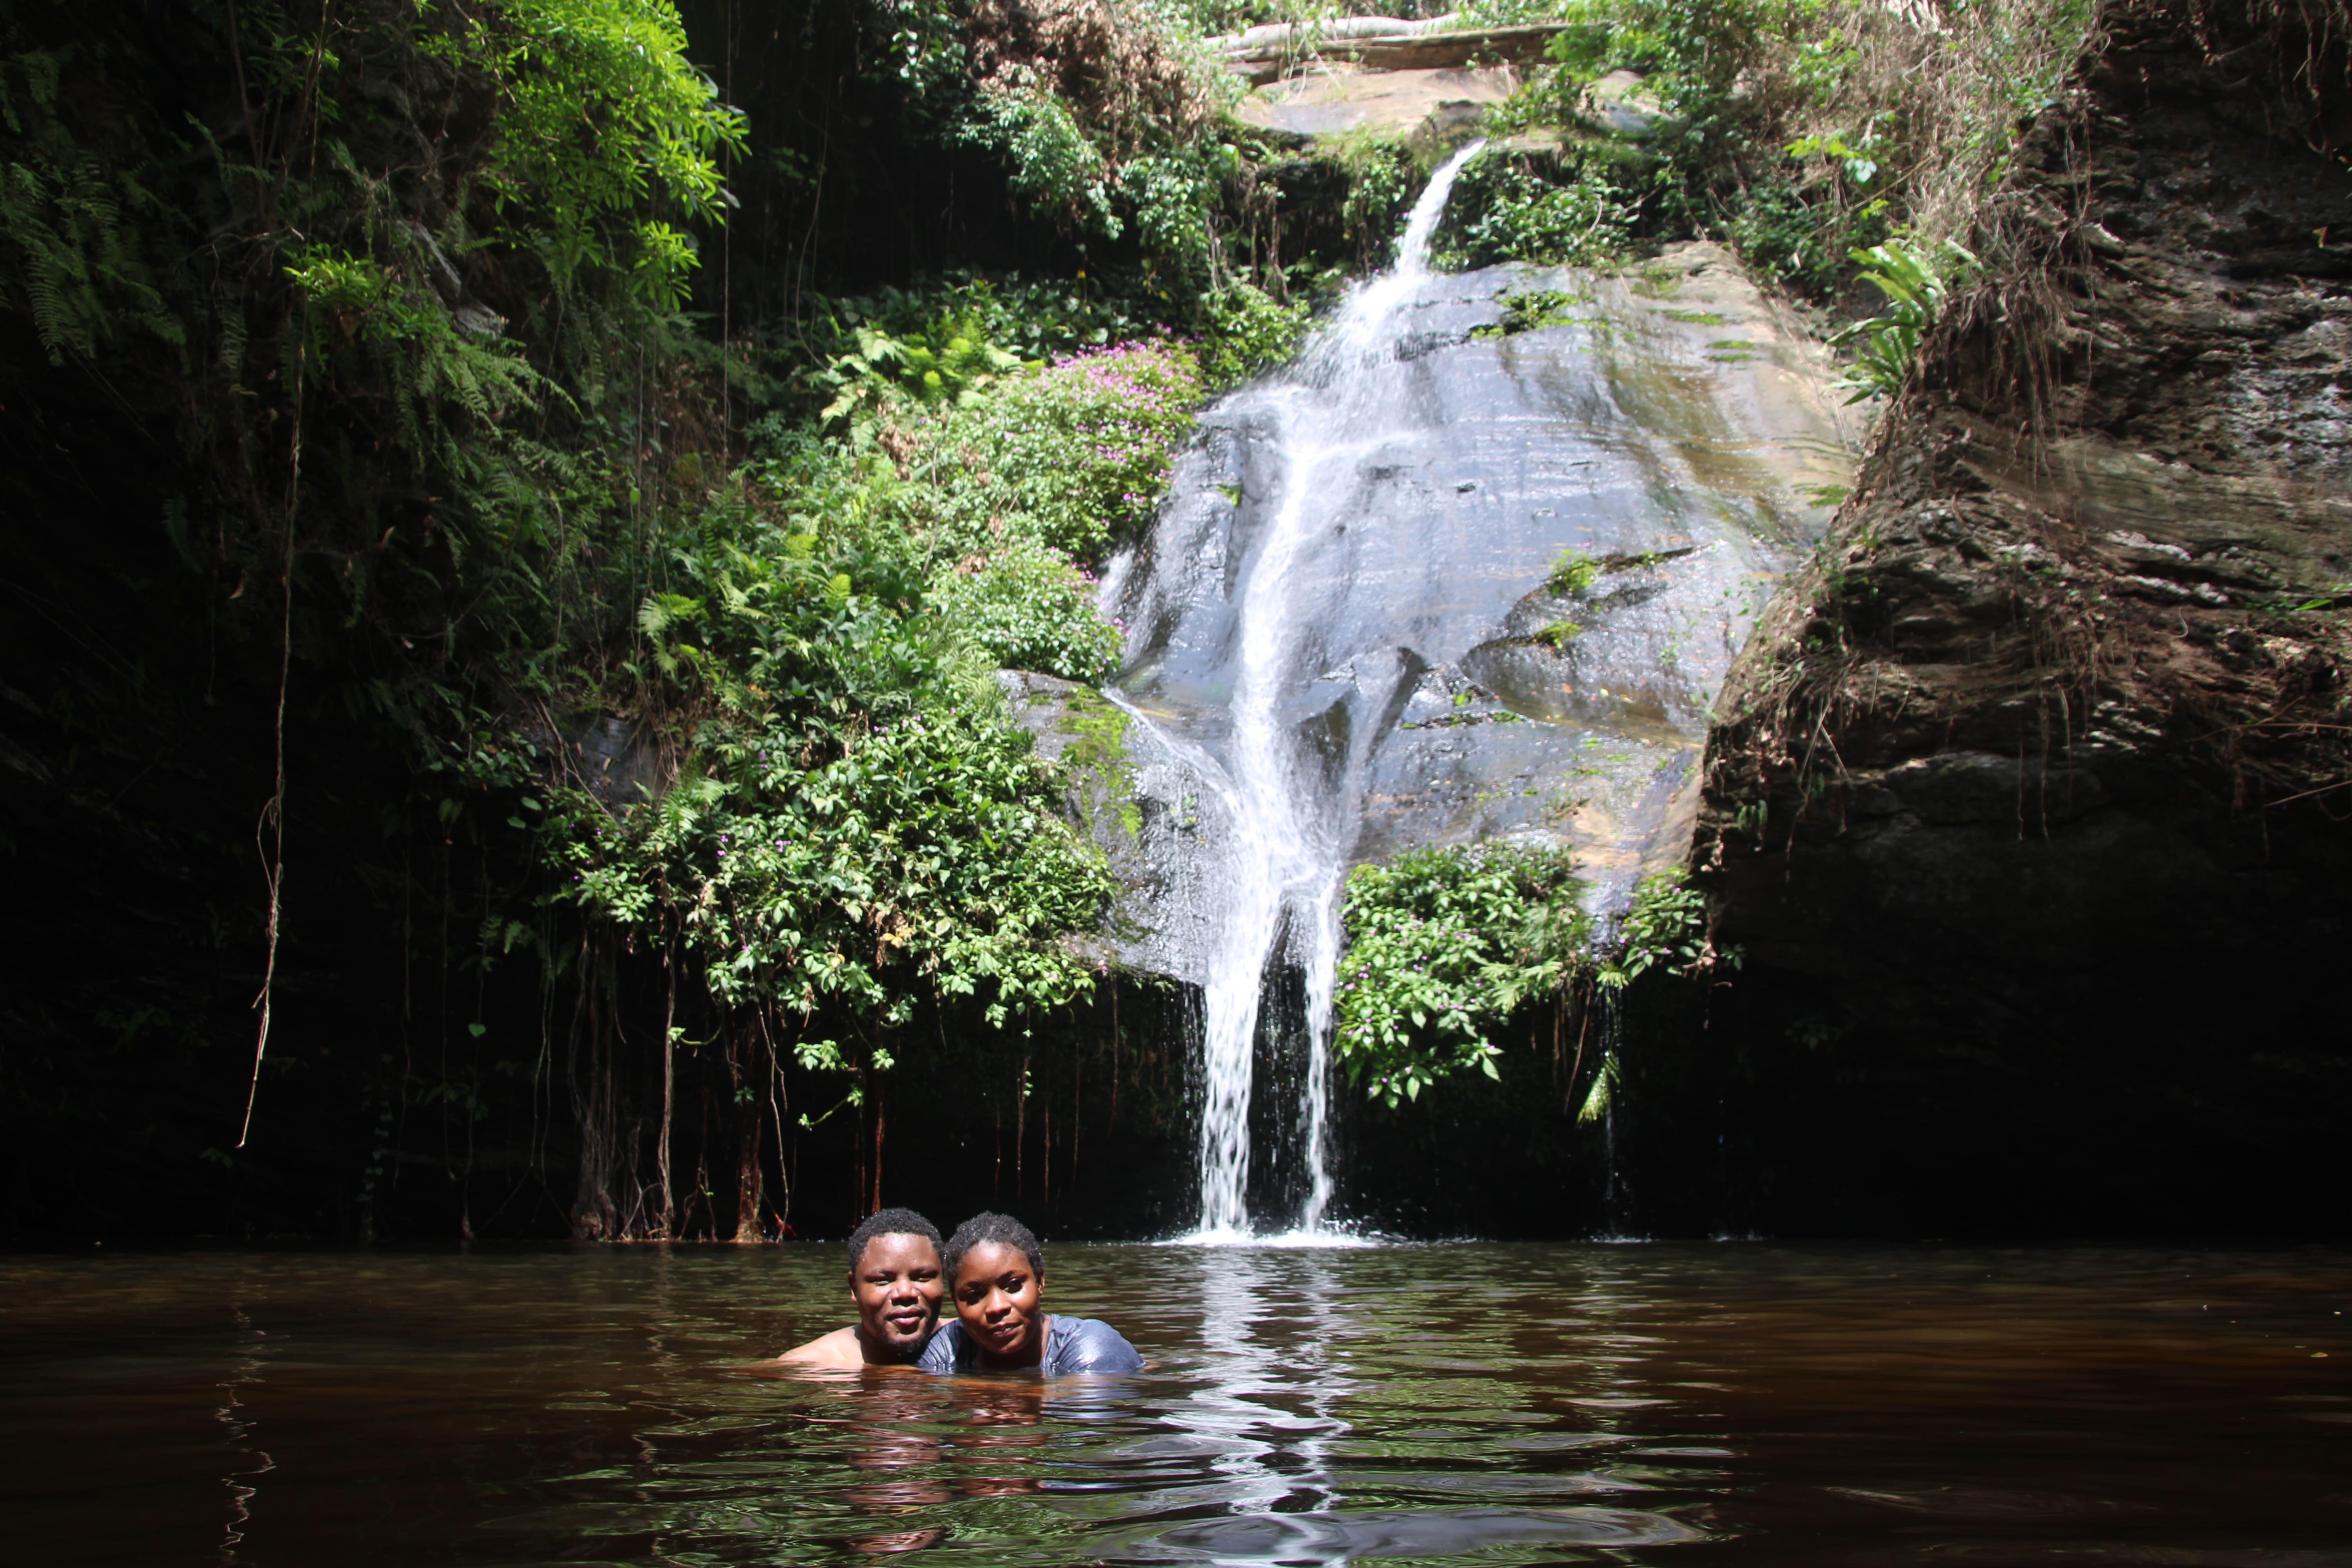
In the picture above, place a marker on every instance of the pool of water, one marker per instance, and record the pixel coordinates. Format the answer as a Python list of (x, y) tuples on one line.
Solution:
[(1481, 1403)]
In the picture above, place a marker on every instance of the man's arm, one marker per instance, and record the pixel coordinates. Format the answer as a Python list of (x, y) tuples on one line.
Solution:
[(839, 1348)]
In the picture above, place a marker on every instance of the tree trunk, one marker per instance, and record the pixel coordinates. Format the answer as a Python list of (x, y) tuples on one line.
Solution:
[(665, 1217), (750, 1187), (590, 1069), (874, 1200)]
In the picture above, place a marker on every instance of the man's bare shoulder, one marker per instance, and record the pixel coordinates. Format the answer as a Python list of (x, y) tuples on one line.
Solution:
[(839, 1348)]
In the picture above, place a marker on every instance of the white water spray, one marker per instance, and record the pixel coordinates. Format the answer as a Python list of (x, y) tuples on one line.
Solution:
[(1291, 825)]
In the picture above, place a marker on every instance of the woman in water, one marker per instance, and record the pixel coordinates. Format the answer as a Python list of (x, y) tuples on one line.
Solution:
[(996, 1278)]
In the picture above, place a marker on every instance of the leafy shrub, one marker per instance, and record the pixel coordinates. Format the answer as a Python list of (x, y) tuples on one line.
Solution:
[(1507, 212), (600, 106), (1804, 129), (1071, 456), (1054, 164), (1250, 331), (1664, 928), (1691, 54), (1031, 609), (853, 821), (72, 225), (1914, 280), (1442, 943), (1783, 236), (1383, 176)]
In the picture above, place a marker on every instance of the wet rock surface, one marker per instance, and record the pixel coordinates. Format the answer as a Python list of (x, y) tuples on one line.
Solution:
[(1662, 425), (1263, 54), (2027, 800), (1341, 99)]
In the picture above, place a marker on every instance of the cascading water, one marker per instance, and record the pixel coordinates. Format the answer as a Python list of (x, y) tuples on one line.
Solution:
[(1290, 828), (1331, 656)]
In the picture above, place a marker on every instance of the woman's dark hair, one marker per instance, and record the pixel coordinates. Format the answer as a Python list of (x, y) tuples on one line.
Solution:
[(1003, 1230), (891, 1222)]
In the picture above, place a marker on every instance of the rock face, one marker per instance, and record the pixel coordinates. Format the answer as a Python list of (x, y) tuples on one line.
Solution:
[(1341, 100), (2027, 801), (1263, 54), (1659, 425)]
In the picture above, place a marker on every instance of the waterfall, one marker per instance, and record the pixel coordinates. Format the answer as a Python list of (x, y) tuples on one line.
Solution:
[(1289, 818), (1334, 650)]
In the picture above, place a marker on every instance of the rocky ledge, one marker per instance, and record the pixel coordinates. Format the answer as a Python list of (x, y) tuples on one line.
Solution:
[(2028, 801)]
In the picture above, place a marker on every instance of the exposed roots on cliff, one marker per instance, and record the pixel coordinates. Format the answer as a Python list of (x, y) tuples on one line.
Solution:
[(2106, 518)]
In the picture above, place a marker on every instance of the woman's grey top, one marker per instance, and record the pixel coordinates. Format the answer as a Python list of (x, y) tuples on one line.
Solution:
[(1072, 1344)]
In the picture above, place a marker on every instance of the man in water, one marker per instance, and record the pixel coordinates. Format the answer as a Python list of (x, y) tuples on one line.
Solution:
[(996, 1277), (895, 1277)]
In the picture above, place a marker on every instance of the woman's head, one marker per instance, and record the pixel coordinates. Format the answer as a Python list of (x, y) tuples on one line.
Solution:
[(996, 1273)]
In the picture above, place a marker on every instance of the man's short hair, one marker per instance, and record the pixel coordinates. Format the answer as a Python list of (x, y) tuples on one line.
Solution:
[(891, 1222), (1002, 1229)]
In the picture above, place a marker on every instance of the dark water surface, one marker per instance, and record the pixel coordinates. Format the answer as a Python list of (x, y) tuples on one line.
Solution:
[(1490, 1404)]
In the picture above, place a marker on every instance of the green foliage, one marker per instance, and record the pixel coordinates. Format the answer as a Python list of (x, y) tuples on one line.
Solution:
[(1031, 609), (1014, 477), (1664, 928), (603, 124), (1914, 280), (1786, 233), (854, 821), (1512, 213), (1071, 456), (950, 362), (1804, 130), (1442, 944), (1098, 755), (1383, 176), (860, 352), (1530, 312), (1174, 195), (1691, 54), (1557, 635), (1249, 332), (70, 223), (1572, 574), (1054, 162), (1604, 1089), (433, 365), (1445, 943)]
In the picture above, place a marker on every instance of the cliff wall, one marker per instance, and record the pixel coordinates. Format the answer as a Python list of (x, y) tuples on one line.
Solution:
[(2028, 801)]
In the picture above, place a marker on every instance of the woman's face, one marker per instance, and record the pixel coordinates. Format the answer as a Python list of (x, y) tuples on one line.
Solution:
[(997, 1295)]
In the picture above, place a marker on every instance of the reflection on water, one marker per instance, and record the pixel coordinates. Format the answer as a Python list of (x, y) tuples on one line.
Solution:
[(1485, 1402)]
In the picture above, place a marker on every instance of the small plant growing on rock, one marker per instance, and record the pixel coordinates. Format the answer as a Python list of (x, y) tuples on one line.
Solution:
[(1915, 280), (1665, 928), (1572, 574)]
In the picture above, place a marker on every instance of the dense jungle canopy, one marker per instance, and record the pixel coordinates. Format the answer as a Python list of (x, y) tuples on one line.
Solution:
[(515, 510)]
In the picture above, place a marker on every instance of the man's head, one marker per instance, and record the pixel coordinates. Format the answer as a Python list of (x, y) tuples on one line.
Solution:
[(895, 1277), (996, 1274)]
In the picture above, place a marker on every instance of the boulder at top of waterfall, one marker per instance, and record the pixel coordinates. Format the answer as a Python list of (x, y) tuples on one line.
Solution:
[(1341, 100), (1265, 53)]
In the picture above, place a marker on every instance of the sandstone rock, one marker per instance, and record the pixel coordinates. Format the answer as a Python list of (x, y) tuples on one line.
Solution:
[(2028, 797)]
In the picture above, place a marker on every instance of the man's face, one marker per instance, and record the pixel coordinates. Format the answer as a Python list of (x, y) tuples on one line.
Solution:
[(896, 1288), (997, 1295)]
